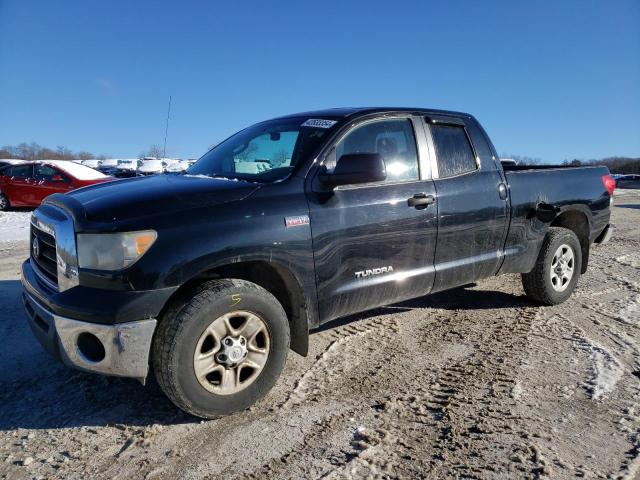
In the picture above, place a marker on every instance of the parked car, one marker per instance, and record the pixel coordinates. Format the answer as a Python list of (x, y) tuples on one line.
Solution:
[(211, 277), (151, 166), (27, 184), (127, 167), (177, 166), (109, 166), (92, 163), (628, 181)]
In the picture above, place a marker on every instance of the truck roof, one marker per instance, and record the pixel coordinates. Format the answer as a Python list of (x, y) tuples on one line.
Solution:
[(345, 112)]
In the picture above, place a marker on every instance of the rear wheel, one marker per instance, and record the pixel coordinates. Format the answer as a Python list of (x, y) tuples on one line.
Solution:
[(222, 349), (4, 202), (557, 269)]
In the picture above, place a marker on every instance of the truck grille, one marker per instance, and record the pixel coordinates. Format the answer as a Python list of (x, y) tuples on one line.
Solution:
[(44, 255)]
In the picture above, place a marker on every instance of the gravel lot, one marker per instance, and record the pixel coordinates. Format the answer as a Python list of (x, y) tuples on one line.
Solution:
[(472, 383)]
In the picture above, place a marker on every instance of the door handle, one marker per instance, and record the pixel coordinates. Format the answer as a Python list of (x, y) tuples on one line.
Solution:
[(421, 200)]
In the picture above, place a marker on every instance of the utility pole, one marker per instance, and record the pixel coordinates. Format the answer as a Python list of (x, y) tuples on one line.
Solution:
[(166, 130)]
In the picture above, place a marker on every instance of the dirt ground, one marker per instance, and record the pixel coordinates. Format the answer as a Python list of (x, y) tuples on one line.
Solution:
[(472, 383)]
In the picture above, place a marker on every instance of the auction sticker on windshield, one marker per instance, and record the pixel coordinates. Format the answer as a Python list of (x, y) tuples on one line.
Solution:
[(319, 123)]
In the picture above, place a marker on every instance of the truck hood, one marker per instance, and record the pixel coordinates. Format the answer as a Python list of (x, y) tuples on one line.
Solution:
[(157, 195)]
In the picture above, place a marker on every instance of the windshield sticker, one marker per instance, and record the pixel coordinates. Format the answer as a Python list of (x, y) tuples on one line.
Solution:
[(319, 123)]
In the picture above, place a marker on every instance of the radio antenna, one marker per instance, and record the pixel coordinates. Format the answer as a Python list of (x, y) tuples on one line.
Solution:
[(166, 130)]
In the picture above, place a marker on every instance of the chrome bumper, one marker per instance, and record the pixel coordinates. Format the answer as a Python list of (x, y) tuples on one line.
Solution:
[(121, 350)]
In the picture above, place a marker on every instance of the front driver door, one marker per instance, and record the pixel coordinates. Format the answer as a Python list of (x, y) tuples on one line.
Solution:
[(49, 180), (371, 247)]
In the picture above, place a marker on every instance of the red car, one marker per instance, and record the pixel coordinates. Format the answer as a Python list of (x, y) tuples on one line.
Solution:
[(27, 184)]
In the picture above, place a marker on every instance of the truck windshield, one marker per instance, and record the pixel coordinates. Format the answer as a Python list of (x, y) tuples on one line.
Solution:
[(265, 152)]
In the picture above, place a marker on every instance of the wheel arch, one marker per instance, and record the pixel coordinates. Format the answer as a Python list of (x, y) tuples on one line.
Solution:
[(273, 277), (578, 222)]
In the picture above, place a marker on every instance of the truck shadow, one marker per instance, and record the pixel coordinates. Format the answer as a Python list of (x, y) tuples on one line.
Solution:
[(461, 298), (37, 392)]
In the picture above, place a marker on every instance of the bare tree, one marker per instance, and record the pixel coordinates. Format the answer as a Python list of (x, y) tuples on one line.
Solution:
[(84, 155), (522, 159), (154, 151)]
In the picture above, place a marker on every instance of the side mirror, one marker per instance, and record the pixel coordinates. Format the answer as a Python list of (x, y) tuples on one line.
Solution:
[(57, 178), (356, 168)]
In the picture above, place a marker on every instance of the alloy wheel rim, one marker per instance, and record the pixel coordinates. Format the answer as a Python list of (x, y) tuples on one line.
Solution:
[(562, 267), (231, 352)]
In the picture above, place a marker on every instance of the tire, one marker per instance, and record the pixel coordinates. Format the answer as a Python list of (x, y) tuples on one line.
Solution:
[(540, 284), (4, 203), (189, 334)]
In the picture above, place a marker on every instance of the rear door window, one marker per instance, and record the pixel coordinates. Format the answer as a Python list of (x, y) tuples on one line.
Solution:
[(454, 153), (21, 171)]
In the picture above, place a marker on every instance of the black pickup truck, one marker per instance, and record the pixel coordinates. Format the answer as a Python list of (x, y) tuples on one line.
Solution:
[(209, 278)]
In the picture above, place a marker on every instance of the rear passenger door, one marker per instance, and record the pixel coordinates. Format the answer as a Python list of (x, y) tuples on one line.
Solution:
[(472, 202), (19, 185)]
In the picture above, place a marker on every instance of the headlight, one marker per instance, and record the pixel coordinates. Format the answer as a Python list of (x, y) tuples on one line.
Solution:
[(113, 251)]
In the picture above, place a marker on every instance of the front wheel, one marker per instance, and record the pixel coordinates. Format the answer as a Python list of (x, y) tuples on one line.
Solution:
[(222, 349), (557, 269)]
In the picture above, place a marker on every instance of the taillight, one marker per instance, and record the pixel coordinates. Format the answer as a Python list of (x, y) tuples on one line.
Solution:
[(609, 183)]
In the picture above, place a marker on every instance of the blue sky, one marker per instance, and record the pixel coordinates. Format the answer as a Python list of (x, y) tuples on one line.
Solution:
[(547, 79)]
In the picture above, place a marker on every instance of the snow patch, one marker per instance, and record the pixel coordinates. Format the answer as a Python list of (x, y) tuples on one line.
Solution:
[(14, 226), (606, 371), (629, 260), (631, 313)]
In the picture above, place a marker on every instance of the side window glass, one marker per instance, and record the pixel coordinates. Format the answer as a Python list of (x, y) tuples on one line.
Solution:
[(479, 141), (392, 139), (45, 172), (21, 171), (453, 150)]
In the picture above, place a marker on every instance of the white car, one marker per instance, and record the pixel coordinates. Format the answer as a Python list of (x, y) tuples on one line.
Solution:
[(151, 166), (93, 163), (177, 166), (127, 167)]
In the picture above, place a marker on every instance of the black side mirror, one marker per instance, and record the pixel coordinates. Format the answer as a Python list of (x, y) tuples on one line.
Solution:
[(356, 168)]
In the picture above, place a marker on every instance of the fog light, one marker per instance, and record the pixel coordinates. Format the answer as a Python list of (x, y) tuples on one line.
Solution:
[(90, 347)]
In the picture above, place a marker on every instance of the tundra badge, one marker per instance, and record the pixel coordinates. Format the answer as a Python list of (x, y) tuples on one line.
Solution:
[(374, 271)]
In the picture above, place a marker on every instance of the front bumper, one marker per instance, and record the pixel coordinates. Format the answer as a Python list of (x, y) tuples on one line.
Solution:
[(121, 350), (102, 331)]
